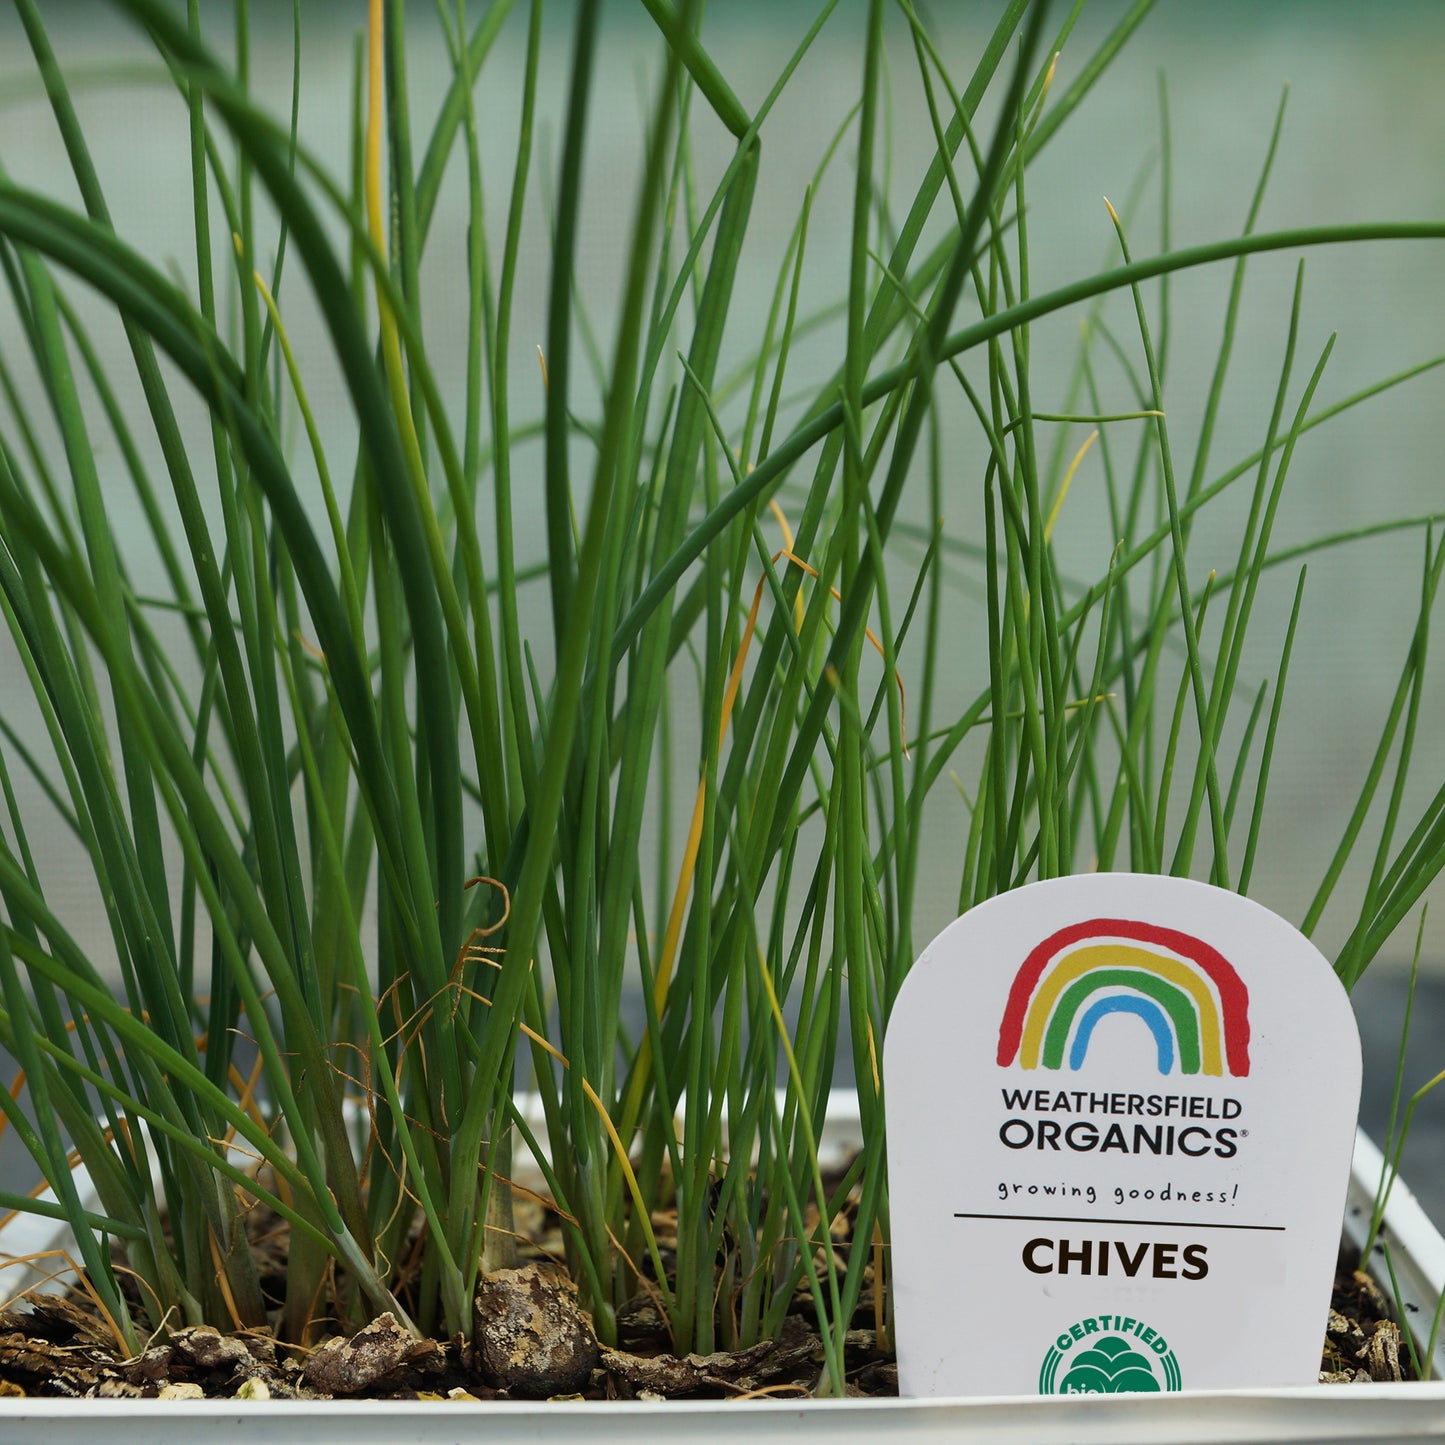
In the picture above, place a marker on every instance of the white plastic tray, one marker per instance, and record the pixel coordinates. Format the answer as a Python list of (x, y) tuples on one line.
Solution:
[(1315, 1413)]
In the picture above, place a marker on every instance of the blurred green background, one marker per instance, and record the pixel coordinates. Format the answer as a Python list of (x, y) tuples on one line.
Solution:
[(1363, 138)]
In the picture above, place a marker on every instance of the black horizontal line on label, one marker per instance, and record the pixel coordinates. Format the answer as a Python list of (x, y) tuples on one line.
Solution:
[(1081, 1219)]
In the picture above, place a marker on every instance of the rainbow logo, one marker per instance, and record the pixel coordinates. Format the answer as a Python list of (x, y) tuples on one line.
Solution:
[(1185, 992)]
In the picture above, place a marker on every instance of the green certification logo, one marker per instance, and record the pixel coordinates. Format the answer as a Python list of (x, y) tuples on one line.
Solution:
[(1109, 1355)]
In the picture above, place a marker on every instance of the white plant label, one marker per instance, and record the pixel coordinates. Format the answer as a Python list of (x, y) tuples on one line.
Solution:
[(1121, 1111)]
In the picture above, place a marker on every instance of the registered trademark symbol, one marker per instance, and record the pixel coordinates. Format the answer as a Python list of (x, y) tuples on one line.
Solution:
[(1244, 1133)]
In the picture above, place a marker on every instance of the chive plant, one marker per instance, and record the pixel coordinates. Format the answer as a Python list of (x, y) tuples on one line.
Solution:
[(359, 837)]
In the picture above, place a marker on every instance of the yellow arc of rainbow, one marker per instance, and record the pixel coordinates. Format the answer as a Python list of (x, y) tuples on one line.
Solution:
[(1122, 955)]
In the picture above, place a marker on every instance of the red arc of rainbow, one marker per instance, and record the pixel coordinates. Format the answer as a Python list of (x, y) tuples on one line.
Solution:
[(1187, 952)]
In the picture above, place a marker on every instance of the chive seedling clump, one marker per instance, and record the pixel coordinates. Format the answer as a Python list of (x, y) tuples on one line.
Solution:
[(445, 726)]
